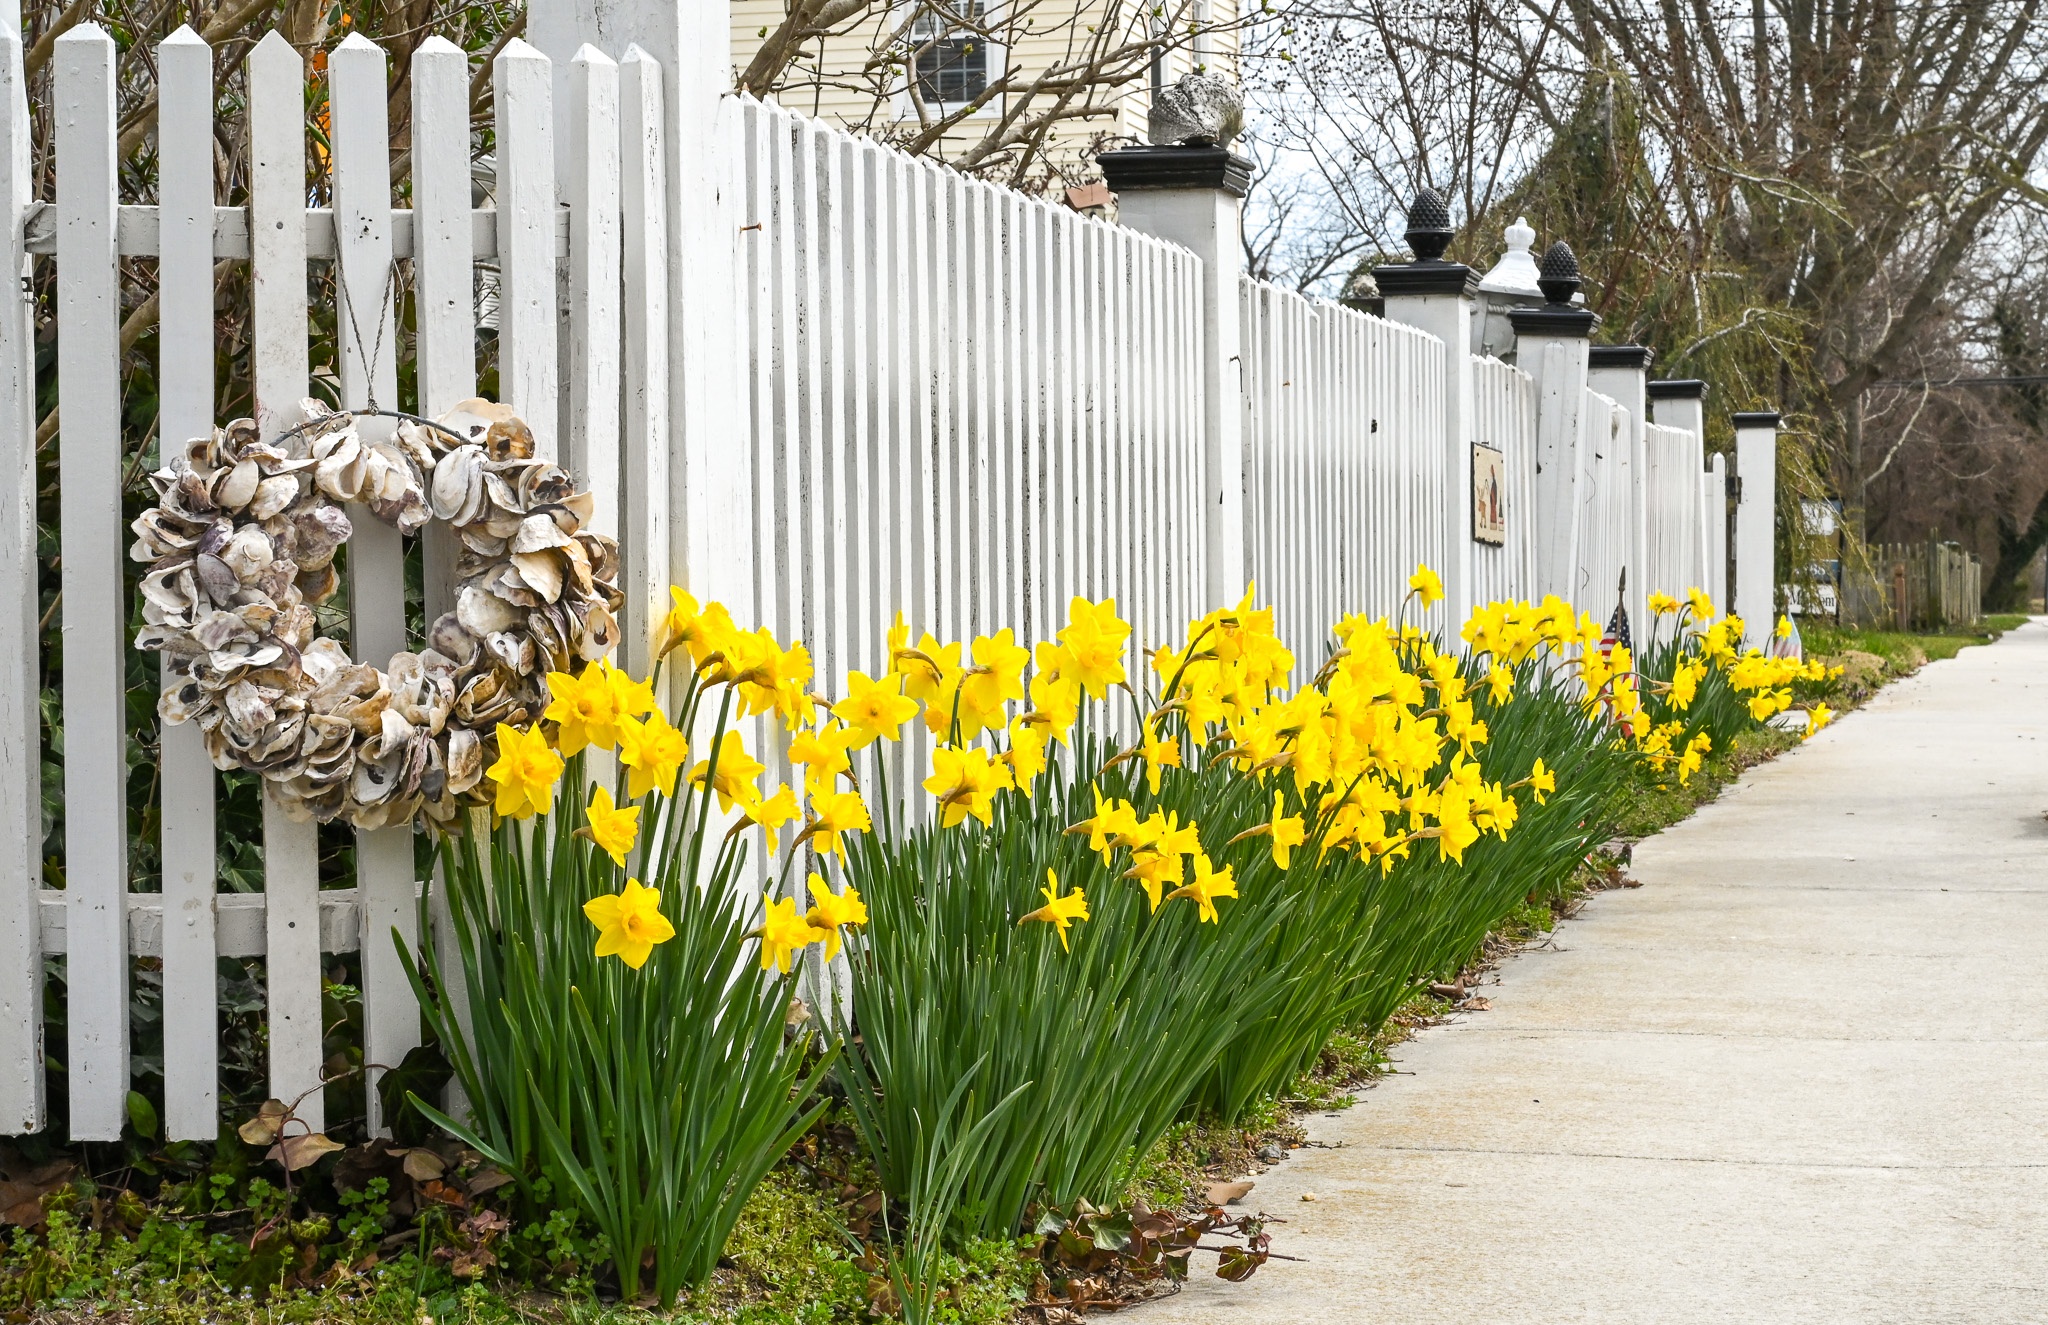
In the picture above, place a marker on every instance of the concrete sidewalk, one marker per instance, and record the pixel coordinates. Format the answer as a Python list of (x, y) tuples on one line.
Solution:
[(1800, 1075)]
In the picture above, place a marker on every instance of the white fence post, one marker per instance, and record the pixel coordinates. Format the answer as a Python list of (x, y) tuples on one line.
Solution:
[(1551, 346), (711, 503), (1620, 372), (1194, 196), (1756, 470), (21, 785), (1437, 297)]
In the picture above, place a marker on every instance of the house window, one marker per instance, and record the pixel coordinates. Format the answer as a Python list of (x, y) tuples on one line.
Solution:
[(952, 63)]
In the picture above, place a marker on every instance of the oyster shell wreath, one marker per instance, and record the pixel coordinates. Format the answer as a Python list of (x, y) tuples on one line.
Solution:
[(240, 548)]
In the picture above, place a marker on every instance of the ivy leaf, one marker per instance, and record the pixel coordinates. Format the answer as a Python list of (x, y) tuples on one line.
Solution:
[(142, 1115)]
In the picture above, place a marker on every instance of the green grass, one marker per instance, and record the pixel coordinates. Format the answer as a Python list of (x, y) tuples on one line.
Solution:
[(1904, 651)]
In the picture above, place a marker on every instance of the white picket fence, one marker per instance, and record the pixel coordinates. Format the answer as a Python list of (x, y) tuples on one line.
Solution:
[(1344, 472), (547, 371), (957, 402)]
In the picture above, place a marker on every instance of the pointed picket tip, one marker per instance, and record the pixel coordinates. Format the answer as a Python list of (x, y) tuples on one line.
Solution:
[(637, 54), (274, 51), (586, 54), (183, 35), (356, 41), (520, 51), (85, 34), (439, 47)]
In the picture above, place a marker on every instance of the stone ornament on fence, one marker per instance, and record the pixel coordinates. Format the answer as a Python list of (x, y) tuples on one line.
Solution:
[(241, 547)]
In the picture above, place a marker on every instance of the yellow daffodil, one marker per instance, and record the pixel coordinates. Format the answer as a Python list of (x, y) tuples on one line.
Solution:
[(965, 782), (707, 631), (1112, 819), (930, 672), (1287, 830), (833, 814), (1685, 684), (629, 923), (1094, 639), (831, 911), (1663, 604), (584, 710), (874, 710), (1425, 585), (1058, 911), (772, 812), (1701, 606), (525, 772), (614, 830), (783, 933), (1783, 630), (823, 755), (630, 698), (1817, 717), (737, 773), (998, 672), (1055, 700), (1541, 781), (1500, 683), (1155, 872), (1208, 884), (652, 751), (1159, 752), (1027, 754)]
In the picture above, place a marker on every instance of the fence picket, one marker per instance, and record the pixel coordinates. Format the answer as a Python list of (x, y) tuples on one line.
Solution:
[(591, 449), (95, 600), (643, 525), (528, 373), (444, 302), (22, 1105), (279, 365), (185, 393), (366, 287)]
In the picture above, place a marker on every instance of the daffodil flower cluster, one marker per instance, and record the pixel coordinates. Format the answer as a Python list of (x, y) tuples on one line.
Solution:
[(1762, 681), (603, 709)]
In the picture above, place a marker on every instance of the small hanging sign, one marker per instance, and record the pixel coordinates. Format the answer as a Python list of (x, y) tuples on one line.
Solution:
[(1489, 481)]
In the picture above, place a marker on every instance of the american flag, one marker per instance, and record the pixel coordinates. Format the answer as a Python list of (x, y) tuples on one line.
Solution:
[(1617, 633), (1617, 625), (1617, 636)]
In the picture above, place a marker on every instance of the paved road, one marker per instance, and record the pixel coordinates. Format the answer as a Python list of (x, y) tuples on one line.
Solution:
[(1801, 1075)]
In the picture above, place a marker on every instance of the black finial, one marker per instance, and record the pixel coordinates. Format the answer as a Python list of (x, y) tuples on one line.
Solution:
[(1557, 274), (1429, 225)]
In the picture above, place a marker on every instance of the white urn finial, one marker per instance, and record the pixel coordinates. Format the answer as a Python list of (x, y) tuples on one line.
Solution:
[(1515, 273)]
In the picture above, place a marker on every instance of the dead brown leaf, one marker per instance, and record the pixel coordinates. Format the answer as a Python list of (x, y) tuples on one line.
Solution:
[(297, 1152), (1229, 1193), (263, 1129), (422, 1164)]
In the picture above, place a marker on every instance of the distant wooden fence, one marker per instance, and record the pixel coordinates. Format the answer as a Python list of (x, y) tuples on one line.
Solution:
[(1915, 586), (945, 399)]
